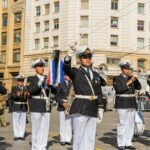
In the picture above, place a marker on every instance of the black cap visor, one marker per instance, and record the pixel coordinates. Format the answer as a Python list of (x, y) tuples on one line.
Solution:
[(39, 65), (85, 56)]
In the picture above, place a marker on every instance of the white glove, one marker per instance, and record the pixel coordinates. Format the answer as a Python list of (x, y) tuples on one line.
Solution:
[(47, 103), (41, 81), (100, 115), (70, 52)]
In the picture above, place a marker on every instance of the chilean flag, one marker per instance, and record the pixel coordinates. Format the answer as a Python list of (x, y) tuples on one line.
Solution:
[(60, 77), (51, 79)]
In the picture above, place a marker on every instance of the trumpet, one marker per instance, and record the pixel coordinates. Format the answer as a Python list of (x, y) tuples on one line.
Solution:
[(103, 69)]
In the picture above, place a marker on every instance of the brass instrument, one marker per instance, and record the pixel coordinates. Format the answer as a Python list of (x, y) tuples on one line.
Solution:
[(103, 69), (70, 99)]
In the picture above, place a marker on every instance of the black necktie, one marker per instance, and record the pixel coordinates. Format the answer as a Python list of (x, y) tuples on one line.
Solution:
[(88, 73)]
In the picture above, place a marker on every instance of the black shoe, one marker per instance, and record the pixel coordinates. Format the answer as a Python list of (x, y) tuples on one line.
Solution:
[(2, 138), (69, 143), (16, 138), (62, 143), (130, 147), (22, 138), (121, 148)]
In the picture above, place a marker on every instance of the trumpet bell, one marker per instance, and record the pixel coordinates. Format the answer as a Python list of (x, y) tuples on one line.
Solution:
[(103, 69)]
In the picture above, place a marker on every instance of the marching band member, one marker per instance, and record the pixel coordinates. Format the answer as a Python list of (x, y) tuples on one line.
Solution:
[(19, 108), (125, 85), (88, 104), (39, 106), (62, 98), (2, 105), (3, 91), (148, 87)]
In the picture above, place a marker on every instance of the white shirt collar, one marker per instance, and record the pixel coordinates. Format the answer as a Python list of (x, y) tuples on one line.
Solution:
[(85, 68), (39, 76)]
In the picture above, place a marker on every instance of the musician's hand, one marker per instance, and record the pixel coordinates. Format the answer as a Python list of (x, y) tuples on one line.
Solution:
[(18, 94), (130, 74), (66, 105), (100, 115), (133, 78)]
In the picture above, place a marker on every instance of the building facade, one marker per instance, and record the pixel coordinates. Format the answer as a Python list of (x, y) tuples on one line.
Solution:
[(11, 40), (118, 30)]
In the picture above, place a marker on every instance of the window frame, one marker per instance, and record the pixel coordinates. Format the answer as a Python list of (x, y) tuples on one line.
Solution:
[(56, 24), (46, 43), (4, 35), (114, 4), (84, 39), (16, 55), (17, 40), (38, 11), (113, 41)]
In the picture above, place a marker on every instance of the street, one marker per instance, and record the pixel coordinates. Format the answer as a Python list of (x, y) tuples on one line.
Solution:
[(105, 137)]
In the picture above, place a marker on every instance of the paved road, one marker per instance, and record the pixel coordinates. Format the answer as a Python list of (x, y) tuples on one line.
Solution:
[(105, 138)]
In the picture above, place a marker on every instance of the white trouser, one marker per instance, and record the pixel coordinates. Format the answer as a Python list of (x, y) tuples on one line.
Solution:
[(65, 127), (84, 130), (19, 123), (126, 124), (40, 130)]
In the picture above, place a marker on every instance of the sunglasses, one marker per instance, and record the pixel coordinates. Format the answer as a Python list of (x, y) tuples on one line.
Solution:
[(86, 56)]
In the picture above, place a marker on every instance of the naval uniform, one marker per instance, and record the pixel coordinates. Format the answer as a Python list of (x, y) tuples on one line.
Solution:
[(3, 90), (84, 108), (126, 106), (40, 117), (65, 120), (19, 109)]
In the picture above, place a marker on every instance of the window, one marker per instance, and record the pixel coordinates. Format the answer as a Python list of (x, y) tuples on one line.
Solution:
[(5, 4), (84, 21), (46, 42), (114, 40), (140, 26), (55, 41), (114, 22), (140, 8), (46, 25), (56, 24), (141, 63), (56, 7), (38, 11), (37, 43), (18, 17), (113, 61), (140, 42), (3, 57), (5, 19), (47, 9), (4, 38), (37, 27), (84, 4), (84, 40), (114, 4), (17, 36), (16, 55)]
